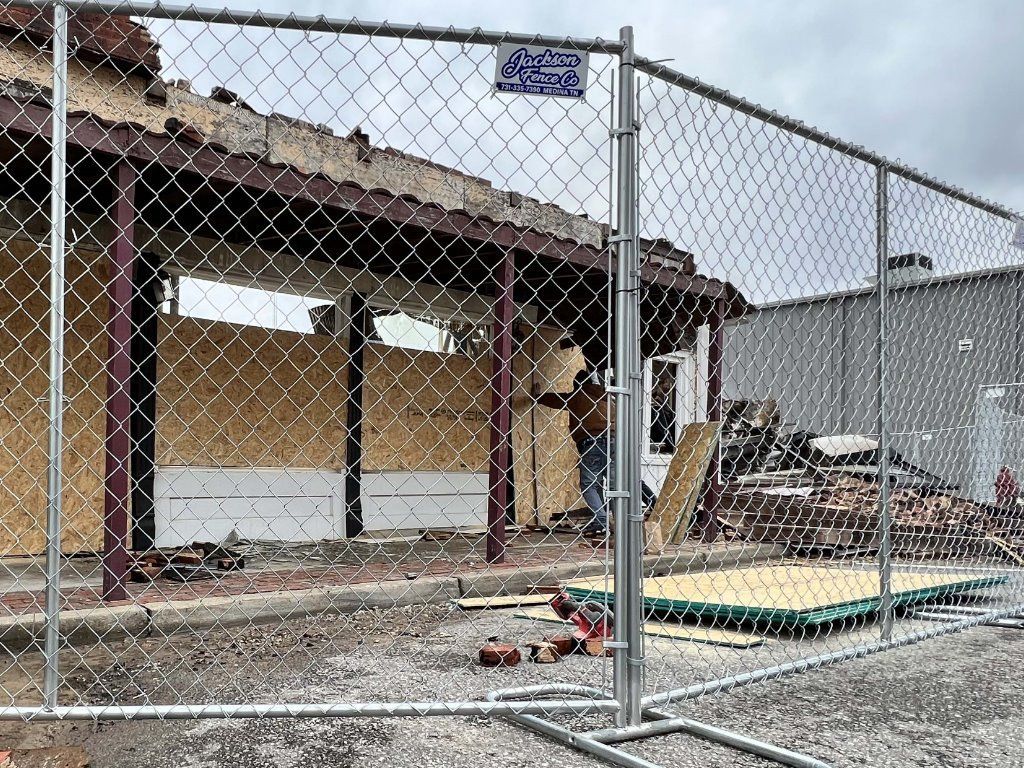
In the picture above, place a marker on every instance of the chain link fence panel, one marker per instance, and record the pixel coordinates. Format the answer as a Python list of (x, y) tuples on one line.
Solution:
[(326, 299), (364, 386), (844, 431)]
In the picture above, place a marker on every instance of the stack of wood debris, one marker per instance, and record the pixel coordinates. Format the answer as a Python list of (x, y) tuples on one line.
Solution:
[(838, 512), (819, 493)]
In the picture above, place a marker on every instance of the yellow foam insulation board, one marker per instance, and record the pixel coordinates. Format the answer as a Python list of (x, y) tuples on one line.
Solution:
[(784, 591)]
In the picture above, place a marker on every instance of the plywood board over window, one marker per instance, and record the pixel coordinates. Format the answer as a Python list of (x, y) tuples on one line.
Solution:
[(24, 380), (425, 411), (540, 436), (430, 412), (242, 396)]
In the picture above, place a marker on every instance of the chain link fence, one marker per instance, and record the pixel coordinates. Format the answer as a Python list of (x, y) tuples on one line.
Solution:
[(366, 387)]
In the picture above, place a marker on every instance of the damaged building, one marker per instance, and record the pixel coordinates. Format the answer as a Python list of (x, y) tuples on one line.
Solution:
[(288, 332), (955, 367)]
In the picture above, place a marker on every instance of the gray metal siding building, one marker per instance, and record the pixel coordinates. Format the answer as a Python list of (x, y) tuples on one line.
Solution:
[(955, 350)]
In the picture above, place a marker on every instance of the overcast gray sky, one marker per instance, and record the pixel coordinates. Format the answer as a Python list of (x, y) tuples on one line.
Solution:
[(937, 84), (934, 84)]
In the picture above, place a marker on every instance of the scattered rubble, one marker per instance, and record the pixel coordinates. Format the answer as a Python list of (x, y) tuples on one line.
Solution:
[(543, 652), (200, 560), (564, 644), (594, 646), (821, 492)]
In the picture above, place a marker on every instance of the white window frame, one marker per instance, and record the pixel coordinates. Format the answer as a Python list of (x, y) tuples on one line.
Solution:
[(686, 396)]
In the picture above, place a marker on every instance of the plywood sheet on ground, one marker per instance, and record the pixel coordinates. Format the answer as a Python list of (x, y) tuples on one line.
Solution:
[(706, 635), (684, 479), (501, 601), (788, 594)]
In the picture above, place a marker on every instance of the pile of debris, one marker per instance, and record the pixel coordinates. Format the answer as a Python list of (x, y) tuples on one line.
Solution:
[(200, 560), (593, 622), (817, 493)]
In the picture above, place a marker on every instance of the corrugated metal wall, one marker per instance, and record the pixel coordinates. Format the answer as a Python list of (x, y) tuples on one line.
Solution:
[(819, 359)]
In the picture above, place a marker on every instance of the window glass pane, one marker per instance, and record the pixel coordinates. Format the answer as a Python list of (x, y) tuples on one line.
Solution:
[(664, 405)]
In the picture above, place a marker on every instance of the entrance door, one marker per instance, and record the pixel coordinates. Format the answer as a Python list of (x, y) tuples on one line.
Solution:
[(670, 389)]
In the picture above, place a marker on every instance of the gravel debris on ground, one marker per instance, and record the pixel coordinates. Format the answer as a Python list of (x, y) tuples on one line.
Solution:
[(952, 701)]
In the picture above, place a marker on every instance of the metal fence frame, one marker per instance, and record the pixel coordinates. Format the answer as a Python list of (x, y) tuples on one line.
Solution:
[(626, 700)]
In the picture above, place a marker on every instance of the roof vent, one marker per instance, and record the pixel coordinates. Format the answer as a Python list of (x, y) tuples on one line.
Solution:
[(909, 267)]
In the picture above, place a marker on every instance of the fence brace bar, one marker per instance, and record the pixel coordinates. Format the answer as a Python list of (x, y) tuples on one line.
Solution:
[(598, 743), (587, 705)]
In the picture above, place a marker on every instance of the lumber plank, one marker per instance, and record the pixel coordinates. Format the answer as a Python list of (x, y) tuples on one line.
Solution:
[(501, 601), (684, 479), (666, 630)]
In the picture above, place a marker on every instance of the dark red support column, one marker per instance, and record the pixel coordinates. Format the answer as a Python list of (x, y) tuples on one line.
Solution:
[(716, 353), (117, 479), (501, 409)]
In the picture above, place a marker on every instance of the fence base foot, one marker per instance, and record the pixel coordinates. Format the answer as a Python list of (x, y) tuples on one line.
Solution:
[(659, 723), (1008, 622)]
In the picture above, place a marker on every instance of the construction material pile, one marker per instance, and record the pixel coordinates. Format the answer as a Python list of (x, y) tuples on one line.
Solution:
[(821, 493)]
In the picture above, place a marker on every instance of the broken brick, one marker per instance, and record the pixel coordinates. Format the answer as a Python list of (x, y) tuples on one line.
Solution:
[(230, 563), (145, 573), (544, 653), (500, 655), (564, 644), (594, 646)]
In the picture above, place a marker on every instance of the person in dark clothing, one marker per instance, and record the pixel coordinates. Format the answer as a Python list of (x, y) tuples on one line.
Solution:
[(592, 426)]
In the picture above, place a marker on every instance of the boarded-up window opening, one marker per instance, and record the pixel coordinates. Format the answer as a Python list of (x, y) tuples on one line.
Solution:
[(248, 305), (420, 331)]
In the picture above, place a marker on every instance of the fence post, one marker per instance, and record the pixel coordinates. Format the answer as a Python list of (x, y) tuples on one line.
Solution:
[(709, 527), (882, 286), (628, 513), (58, 169)]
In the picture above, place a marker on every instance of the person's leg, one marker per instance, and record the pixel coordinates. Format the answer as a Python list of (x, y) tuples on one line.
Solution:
[(593, 464), (648, 496)]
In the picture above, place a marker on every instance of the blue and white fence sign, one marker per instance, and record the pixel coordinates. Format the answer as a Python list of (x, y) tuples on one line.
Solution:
[(541, 71)]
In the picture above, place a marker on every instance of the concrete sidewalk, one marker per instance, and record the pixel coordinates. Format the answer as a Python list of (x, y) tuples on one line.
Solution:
[(240, 598)]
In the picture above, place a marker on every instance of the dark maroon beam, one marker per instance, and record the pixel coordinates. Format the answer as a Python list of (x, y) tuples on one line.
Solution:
[(117, 479), (501, 409), (27, 120), (716, 353)]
